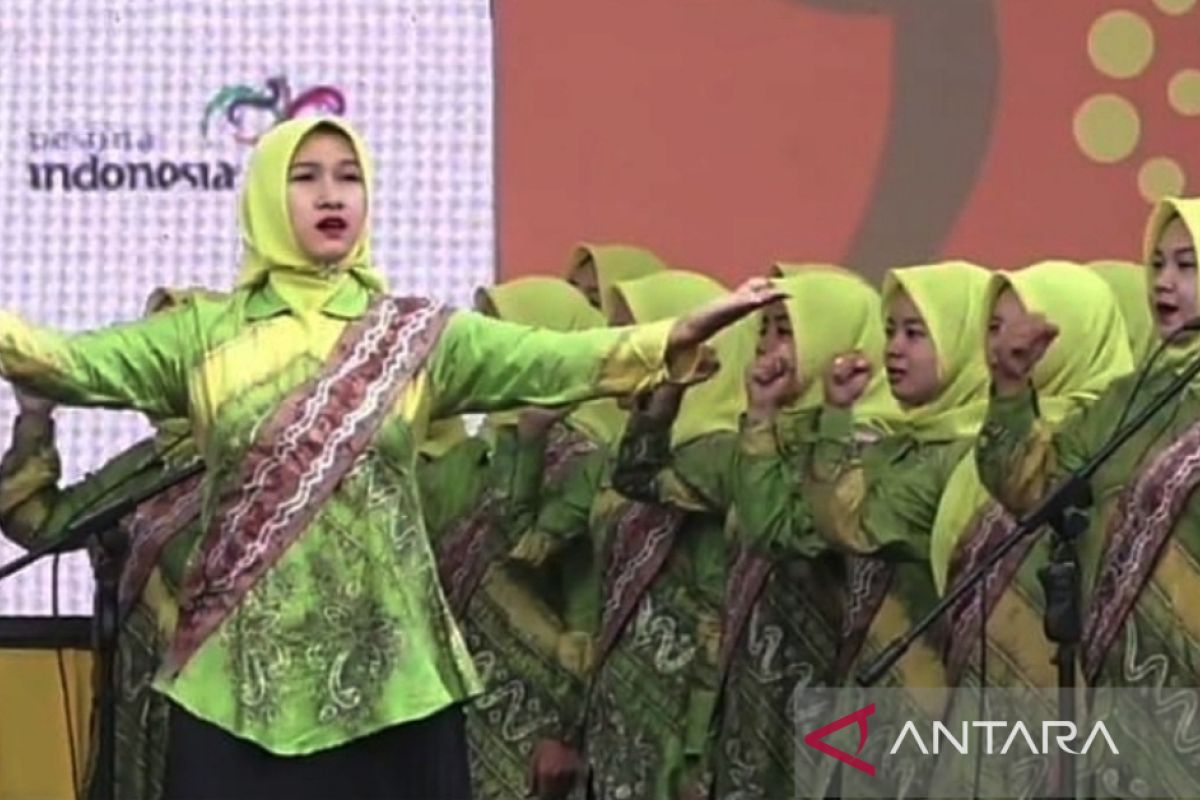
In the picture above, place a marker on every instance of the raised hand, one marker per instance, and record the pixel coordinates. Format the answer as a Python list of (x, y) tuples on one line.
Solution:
[(771, 384), (704, 322), (1015, 350), (846, 379)]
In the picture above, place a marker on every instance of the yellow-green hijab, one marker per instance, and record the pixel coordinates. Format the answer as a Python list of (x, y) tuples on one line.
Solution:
[(615, 263), (555, 304), (717, 404), (1091, 351), (1127, 281), (833, 311), (949, 295), (271, 250), (1187, 209)]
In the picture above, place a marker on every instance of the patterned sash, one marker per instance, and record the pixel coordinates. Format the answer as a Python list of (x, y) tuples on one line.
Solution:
[(1144, 518), (868, 582), (470, 546), (743, 588), (305, 448), (992, 529), (150, 527), (644, 537)]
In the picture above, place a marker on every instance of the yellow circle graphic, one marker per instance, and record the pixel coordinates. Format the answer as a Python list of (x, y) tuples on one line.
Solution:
[(1184, 92), (1107, 128), (1175, 6), (1120, 44), (1159, 178)]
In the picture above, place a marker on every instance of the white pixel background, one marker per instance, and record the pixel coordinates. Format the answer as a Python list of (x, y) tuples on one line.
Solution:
[(417, 77)]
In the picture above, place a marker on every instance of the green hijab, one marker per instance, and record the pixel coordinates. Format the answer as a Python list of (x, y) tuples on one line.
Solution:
[(1188, 210), (1091, 351), (1128, 283), (615, 263), (553, 303), (833, 311), (949, 297), (442, 435), (271, 249), (717, 404)]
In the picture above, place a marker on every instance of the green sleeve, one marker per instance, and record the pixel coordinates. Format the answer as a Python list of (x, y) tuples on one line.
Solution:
[(564, 511), (33, 509), (451, 484), (772, 512), (140, 365), (484, 364), (696, 476), (1020, 456), (881, 499)]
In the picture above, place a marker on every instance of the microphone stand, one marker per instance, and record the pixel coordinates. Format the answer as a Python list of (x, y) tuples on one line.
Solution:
[(102, 528), (1064, 510)]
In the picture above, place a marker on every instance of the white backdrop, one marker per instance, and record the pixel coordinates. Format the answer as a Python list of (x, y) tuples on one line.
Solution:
[(111, 95)]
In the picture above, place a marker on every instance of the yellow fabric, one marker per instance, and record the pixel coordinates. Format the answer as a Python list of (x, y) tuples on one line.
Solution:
[(833, 311), (1128, 282), (716, 404), (442, 435), (949, 296), (1187, 209), (35, 755), (555, 304), (615, 263), (1090, 352), (270, 244)]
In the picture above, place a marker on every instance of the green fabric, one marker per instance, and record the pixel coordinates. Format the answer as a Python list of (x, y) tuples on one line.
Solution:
[(785, 269), (950, 298), (34, 510), (716, 404), (451, 483), (267, 235), (1090, 352), (1128, 282), (615, 263), (369, 563), (555, 304), (442, 436), (833, 311)]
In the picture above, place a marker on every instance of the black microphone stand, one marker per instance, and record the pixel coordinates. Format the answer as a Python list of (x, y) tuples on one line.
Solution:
[(1064, 510), (102, 528)]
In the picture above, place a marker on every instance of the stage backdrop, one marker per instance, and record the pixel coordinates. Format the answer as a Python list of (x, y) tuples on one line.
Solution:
[(124, 128), (727, 133)]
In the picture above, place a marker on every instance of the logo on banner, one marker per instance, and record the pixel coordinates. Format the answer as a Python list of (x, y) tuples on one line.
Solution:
[(250, 111), (816, 739)]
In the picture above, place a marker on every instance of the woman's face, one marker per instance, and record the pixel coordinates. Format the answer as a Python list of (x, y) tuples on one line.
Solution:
[(584, 278), (775, 336), (910, 359), (1173, 278), (327, 201)]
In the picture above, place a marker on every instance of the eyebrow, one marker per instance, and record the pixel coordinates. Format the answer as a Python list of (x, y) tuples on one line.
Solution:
[(353, 162)]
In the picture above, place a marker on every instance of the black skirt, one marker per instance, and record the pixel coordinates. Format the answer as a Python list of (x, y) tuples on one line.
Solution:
[(421, 760)]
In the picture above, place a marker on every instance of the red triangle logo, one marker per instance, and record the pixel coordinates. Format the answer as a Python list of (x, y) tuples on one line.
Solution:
[(816, 741)]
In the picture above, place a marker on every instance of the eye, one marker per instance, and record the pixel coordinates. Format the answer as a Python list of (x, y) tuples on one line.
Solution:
[(302, 176)]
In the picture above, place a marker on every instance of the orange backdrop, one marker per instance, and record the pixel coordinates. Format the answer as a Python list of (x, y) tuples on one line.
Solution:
[(725, 134)]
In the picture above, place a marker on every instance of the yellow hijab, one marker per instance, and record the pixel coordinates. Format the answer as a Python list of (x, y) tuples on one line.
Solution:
[(949, 296), (717, 404), (553, 303), (1091, 351), (615, 263), (1188, 210), (1127, 281), (832, 311), (786, 269), (271, 249)]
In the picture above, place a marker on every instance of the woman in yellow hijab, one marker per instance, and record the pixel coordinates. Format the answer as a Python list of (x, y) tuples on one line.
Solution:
[(596, 268), (1141, 586), (878, 500), (1089, 353), (314, 647)]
